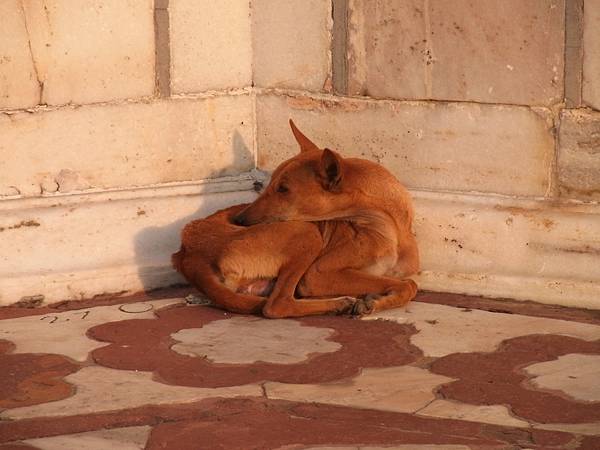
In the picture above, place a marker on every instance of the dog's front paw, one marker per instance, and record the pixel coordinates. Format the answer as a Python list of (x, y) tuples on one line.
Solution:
[(363, 307), (346, 305)]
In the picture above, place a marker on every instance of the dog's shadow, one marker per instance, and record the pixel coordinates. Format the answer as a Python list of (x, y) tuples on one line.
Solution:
[(154, 245)]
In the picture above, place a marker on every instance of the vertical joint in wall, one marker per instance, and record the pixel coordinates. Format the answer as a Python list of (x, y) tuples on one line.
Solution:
[(162, 47), (552, 187), (428, 66), (339, 45), (573, 52)]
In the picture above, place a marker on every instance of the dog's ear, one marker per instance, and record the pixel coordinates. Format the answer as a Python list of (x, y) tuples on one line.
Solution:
[(305, 143), (331, 169)]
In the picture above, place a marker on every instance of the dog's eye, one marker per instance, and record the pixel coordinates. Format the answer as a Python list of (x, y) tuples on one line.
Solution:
[(282, 189)]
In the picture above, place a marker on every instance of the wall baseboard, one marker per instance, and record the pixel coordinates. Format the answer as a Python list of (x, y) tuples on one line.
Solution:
[(528, 249), (565, 292), (66, 247)]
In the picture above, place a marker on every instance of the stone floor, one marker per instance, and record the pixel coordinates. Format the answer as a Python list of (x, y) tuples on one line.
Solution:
[(447, 372)]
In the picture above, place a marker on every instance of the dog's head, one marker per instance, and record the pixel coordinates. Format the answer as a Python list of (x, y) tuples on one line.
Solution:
[(307, 187)]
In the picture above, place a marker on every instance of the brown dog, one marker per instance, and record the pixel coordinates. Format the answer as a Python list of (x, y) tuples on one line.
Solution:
[(325, 226)]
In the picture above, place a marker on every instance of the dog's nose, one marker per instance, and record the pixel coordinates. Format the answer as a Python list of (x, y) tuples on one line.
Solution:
[(240, 219)]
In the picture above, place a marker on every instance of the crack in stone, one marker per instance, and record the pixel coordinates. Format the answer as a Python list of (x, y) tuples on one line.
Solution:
[(35, 66), (427, 404)]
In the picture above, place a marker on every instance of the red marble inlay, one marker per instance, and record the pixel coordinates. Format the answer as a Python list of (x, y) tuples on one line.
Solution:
[(14, 311), (30, 379), (268, 426), (510, 306), (17, 446), (496, 378), (590, 443), (502, 305), (261, 423), (145, 345)]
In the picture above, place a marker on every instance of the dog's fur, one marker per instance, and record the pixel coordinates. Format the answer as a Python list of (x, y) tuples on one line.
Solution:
[(325, 226)]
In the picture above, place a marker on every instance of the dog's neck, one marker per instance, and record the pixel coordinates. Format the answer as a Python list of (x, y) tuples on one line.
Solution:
[(362, 220), (368, 218)]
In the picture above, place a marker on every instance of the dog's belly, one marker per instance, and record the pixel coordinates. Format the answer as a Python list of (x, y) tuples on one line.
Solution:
[(382, 266), (261, 287)]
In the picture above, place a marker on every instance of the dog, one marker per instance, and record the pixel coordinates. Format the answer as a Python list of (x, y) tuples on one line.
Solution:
[(327, 235)]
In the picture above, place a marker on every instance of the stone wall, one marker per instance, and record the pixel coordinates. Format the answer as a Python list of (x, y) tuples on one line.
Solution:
[(120, 120)]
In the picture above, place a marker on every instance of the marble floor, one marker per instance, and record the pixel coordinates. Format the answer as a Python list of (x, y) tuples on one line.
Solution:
[(448, 372)]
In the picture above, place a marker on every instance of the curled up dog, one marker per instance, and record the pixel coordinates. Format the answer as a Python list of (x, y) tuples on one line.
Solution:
[(328, 235)]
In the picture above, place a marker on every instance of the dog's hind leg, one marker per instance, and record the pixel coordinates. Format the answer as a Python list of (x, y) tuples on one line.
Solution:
[(381, 292), (282, 302), (202, 276)]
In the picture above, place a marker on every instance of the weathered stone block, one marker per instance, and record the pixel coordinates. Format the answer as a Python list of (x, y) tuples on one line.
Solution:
[(484, 51), (443, 146), (386, 48), (591, 53), (529, 250), (579, 154), (211, 45), (130, 144), (89, 51), (19, 87), (292, 41)]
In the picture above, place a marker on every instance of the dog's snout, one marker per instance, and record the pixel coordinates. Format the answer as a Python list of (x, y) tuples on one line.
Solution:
[(240, 219)]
